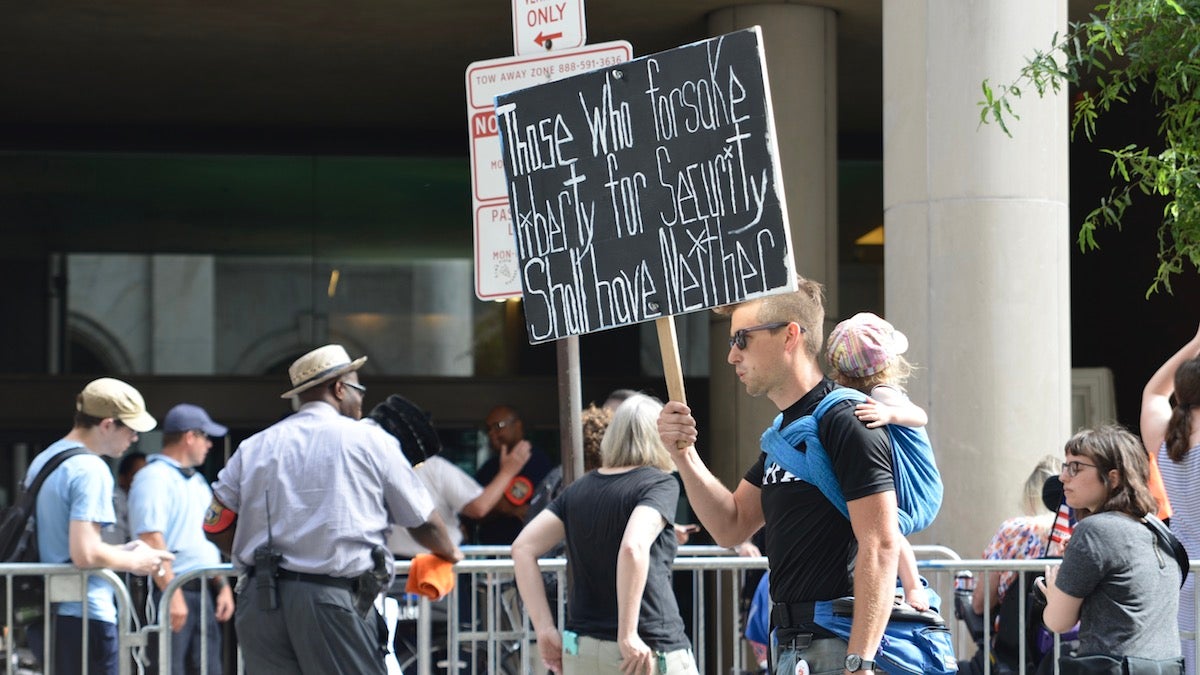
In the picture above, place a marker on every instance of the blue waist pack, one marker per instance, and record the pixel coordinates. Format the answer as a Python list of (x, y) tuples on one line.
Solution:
[(914, 642), (798, 449)]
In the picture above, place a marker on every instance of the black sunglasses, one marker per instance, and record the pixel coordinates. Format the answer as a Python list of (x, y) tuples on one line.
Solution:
[(738, 339), (352, 385)]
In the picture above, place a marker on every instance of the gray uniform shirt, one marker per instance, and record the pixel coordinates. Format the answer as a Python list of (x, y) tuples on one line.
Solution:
[(1129, 585), (335, 488)]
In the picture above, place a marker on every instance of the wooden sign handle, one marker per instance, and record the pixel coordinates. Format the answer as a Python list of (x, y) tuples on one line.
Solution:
[(668, 343)]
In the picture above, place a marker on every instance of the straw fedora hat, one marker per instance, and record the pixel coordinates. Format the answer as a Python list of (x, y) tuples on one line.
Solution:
[(320, 365)]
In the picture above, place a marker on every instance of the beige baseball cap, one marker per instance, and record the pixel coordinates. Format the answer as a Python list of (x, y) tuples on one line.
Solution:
[(109, 397)]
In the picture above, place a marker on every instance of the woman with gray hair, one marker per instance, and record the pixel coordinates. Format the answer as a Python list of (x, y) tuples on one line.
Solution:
[(618, 524)]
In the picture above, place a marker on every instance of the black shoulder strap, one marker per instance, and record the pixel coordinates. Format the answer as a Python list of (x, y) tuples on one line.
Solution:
[(186, 471), (1164, 535), (49, 467)]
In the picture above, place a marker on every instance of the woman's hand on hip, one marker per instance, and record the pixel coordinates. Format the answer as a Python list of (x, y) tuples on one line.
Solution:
[(636, 657)]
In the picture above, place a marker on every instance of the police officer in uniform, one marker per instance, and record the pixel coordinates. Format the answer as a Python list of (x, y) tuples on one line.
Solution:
[(304, 508)]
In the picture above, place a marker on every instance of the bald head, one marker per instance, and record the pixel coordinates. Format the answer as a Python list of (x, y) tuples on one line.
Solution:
[(504, 427)]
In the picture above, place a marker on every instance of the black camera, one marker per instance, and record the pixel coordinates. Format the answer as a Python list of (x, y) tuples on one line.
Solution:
[(1039, 592)]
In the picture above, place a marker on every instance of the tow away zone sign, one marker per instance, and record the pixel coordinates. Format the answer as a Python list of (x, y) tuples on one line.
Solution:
[(495, 243)]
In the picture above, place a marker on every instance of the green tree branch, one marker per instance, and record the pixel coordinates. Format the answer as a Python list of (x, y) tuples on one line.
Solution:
[(1125, 45)]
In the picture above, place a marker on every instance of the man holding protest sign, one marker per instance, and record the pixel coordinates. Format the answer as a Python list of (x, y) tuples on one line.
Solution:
[(652, 188), (815, 554)]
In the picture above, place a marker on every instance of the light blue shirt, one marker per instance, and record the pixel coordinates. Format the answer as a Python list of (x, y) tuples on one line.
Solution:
[(163, 500), (80, 489), (335, 488)]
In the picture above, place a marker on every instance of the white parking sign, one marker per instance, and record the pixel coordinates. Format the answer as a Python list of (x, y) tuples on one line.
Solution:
[(542, 25), (495, 248)]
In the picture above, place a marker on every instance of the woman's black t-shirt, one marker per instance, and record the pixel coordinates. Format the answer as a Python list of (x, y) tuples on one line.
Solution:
[(595, 510)]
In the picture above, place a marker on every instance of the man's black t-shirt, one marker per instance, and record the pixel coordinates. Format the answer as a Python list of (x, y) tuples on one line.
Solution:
[(595, 510), (810, 544)]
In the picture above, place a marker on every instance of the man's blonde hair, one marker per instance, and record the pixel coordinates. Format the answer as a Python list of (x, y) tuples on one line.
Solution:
[(805, 307)]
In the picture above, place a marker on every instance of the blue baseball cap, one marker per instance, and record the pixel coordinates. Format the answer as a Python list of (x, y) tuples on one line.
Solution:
[(186, 417)]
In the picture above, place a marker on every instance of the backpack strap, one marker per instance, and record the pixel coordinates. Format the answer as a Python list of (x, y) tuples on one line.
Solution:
[(49, 467), (1166, 538)]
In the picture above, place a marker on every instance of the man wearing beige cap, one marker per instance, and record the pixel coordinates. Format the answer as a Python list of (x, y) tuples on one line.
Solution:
[(304, 508), (74, 503)]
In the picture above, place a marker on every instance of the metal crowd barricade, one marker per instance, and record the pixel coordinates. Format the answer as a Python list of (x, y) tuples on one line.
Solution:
[(65, 583), (508, 644), (163, 625), (942, 569), (496, 636), (944, 585)]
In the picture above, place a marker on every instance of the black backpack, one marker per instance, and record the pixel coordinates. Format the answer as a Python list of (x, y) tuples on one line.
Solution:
[(19, 544)]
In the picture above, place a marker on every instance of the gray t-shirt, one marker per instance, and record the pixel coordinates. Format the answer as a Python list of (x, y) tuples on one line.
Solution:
[(1129, 584)]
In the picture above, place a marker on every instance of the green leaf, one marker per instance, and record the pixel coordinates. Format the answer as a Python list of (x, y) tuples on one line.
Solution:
[(1124, 45)]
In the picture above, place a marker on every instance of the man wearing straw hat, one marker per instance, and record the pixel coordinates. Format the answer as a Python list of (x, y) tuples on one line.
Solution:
[(304, 508)]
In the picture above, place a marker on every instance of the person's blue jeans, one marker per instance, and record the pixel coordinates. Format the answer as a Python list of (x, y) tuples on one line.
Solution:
[(68, 641), (186, 646), (824, 656)]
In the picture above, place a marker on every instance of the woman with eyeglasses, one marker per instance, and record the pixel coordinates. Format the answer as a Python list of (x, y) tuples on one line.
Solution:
[(622, 616), (1117, 579), (1171, 432)]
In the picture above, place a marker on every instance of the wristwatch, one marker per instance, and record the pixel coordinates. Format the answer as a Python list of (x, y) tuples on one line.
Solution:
[(855, 663)]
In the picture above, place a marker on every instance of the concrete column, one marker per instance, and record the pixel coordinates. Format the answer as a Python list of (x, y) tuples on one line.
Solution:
[(801, 48), (977, 250)]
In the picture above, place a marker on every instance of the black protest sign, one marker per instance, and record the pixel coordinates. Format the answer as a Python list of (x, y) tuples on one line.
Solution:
[(646, 189)]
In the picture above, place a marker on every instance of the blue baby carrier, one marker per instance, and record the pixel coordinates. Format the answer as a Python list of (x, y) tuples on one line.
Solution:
[(913, 642), (798, 449)]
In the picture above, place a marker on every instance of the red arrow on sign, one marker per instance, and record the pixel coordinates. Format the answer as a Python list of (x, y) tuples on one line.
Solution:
[(542, 37)]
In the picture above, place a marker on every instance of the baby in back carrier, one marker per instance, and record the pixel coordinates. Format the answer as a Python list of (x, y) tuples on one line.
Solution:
[(866, 353)]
